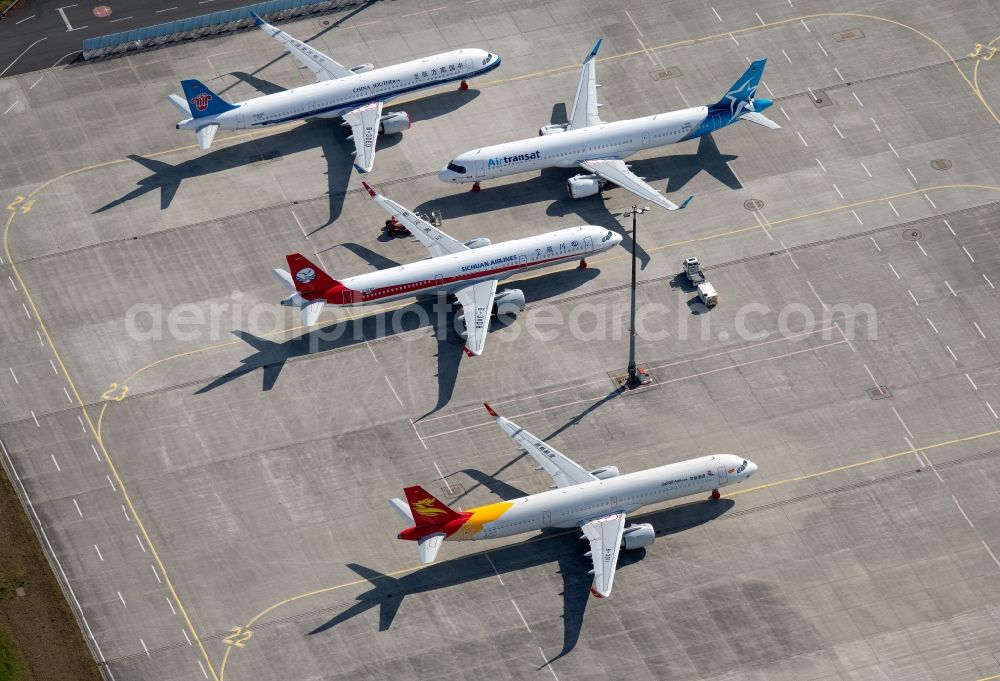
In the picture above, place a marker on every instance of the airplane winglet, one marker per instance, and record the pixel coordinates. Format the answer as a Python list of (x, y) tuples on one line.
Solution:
[(686, 202), (593, 52), (371, 192), (256, 19), (490, 410)]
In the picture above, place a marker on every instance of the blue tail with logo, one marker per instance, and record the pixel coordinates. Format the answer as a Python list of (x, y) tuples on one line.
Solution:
[(202, 101), (744, 89)]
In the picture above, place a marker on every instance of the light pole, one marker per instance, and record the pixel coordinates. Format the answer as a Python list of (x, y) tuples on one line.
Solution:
[(636, 378)]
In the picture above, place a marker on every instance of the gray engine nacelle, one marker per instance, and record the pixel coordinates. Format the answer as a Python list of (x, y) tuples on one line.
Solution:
[(552, 129), (509, 301), (391, 123), (637, 536), (363, 68), (605, 472), (478, 243), (580, 186)]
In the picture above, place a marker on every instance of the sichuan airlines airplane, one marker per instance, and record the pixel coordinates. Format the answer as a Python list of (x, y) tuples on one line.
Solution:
[(598, 147), (470, 271), (595, 501), (355, 94)]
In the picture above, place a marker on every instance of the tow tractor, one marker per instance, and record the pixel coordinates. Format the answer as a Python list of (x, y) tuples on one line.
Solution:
[(706, 292), (394, 228)]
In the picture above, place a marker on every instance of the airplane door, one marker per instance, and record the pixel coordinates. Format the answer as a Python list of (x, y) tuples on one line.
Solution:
[(645, 139), (480, 168), (522, 261), (546, 518), (346, 298), (439, 280), (723, 476), (613, 502), (588, 244)]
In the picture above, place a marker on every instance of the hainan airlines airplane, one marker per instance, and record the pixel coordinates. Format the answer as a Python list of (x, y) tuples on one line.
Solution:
[(595, 501), (598, 147), (356, 94), (470, 271)]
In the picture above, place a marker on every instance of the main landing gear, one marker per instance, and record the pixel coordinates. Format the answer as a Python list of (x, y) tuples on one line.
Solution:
[(582, 265), (715, 495), (476, 187), (464, 86)]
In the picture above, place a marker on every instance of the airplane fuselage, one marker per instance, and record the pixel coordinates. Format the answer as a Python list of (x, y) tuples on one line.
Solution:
[(334, 98), (445, 273), (572, 506)]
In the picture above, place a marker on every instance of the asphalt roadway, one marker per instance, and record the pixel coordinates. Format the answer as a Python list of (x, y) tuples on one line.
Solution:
[(212, 479)]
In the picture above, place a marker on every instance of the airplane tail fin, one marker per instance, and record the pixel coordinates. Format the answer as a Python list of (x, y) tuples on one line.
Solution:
[(426, 509), (307, 277), (202, 101), (744, 89)]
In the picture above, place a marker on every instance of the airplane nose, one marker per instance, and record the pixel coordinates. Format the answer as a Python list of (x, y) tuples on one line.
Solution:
[(444, 175), (751, 468)]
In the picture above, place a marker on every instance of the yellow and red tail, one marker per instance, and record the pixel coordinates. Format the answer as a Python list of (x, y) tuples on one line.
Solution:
[(427, 509)]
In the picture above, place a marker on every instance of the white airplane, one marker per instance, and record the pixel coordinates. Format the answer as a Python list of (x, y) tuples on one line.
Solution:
[(356, 94), (598, 147), (596, 501), (470, 271)]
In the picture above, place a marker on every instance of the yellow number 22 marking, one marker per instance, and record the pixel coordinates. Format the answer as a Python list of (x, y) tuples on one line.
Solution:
[(238, 637)]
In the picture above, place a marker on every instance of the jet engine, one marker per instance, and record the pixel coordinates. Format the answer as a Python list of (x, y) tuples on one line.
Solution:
[(363, 68), (552, 129), (508, 302), (605, 472), (393, 122), (637, 536), (580, 186), (478, 243)]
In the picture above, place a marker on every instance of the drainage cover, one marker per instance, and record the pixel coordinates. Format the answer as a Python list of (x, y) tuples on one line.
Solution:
[(940, 164), (753, 204), (879, 393), (912, 234)]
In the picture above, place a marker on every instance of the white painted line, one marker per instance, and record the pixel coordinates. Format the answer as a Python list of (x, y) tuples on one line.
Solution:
[(716, 14), (418, 433), (495, 571), (40, 341), (172, 611), (988, 281), (802, 138), (35, 418), (950, 352), (520, 615), (877, 247), (844, 336), (18, 23), (68, 398), (426, 11), (55, 462), (968, 254), (36, 83), (789, 253), (12, 282), (122, 19), (26, 313), (156, 574), (145, 648), (821, 166), (683, 98), (932, 324), (811, 94), (912, 176), (893, 149), (98, 553), (140, 543), (782, 110), (868, 172), (893, 208), (987, 547), (53, 365), (92, 447), (441, 478), (906, 428), (394, 392), (913, 297), (2, 73), (759, 19), (870, 374), (816, 294), (858, 99), (757, 217), (166, 9), (802, 21), (971, 382), (79, 512), (80, 419), (861, 223), (17, 382), (205, 2), (110, 482), (767, 88), (894, 270), (933, 205), (962, 511), (875, 124), (921, 249), (734, 39), (786, 55), (837, 189), (950, 288), (838, 131), (11, 106), (820, 46), (637, 25), (186, 636), (548, 665), (988, 406), (204, 673), (948, 225), (983, 335), (127, 519), (839, 74)]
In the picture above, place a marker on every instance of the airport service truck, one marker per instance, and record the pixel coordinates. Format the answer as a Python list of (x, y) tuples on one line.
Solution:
[(707, 293)]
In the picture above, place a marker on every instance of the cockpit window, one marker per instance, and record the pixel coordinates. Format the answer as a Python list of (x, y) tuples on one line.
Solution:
[(455, 168), (744, 462)]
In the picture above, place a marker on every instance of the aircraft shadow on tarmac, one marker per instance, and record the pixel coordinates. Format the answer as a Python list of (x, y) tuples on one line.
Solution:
[(271, 356), (560, 547)]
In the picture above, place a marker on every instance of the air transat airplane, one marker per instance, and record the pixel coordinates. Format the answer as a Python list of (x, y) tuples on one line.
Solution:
[(598, 147), (470, 271), (595, 501), (356, 94)]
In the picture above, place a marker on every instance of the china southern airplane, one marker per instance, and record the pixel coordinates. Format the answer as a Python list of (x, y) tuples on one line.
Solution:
[(598, 147), (595, 501), (356, 94), (470, 271)]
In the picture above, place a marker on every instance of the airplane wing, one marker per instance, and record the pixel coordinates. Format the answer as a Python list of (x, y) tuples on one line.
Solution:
[(364, 130), (321, 65), (584, 112), (759, 119), (436, 241), (429, 545), (616, 171), (477, 305), (605, 537), (564, 471)]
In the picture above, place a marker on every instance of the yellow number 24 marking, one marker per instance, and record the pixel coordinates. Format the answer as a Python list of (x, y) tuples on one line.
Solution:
[(22, 203)]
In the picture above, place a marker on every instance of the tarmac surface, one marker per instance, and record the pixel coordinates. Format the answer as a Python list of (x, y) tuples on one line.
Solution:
[(212, 479)]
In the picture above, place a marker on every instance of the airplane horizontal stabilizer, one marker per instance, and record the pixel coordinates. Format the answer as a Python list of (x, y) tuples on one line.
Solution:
[(206, 134), (311, 312), (429, 546), (400, 507), (760, 119), (178, 103)]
